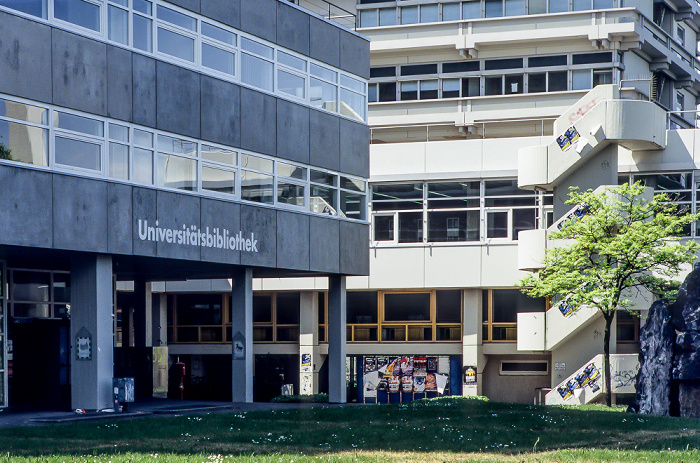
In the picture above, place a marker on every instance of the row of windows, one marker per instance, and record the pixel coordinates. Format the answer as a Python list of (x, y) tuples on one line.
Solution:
[(491, 85), (463, 211), (69, 141), (190, 40), (39, 294), (455, 11)]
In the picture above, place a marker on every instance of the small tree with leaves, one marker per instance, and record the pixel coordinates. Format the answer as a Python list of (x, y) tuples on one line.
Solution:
[(623, 244), (5, 152)]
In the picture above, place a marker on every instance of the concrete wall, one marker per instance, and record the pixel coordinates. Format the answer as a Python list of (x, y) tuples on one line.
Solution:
[(517, 388)]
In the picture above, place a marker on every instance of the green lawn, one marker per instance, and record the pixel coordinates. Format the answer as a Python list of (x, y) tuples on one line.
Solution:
[(450, 429)]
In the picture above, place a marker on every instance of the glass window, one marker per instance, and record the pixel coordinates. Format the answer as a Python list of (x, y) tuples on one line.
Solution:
[(372, 93), (291, 84), (448, 306), (218, 180), (494, 85), (177, 172), (179, 19), (507, 303), (581, 79), (324, 73), (288, 305), (290, 193), (383, 228), (78, 153), (450, 88), (471, 10), (322, 200), (23, 143), (256, 72), (352, 104), (143, 138), (61, 287), (352, 184), (177, 146), (368, 18), (32, 7), (523, 219), (471, 86), (119, 161), (602, 77), (218, 59), (515, 7), (406, 306), (118, 132), (175, 44), (387, 16), (409, 91), (558, 6), (445, 226), (352, 205), (362, 307), (557, 81), (218, 33), (143, 37), (30, 286), (514, 84), (428, 89), (290, 170), (257, 48), (323, 95), (493, 8), (540, 61), (352, 84), (144, 6), (387, 91), (256, 162), (537, 6), (257, 187), (410, 227), (496, 224), (78, 124), (79, 12), (291, 61), (323, 177), (450, 12), (199, 309), (428, 13), (602, 4), (224, 156), (262, 308), (118, 25), (23, 112), (581, 5), (143, 166), (537, 82), (409, 15)]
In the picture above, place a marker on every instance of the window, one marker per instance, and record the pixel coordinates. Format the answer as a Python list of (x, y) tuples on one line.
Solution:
[(276, 317), (39, 294), (323, 89), (76, 142), (20, 123), (627, 327), (256, 64), (523, 368), (680, 34), (500, 308), (82, 13), (32, 7), (257, 185)]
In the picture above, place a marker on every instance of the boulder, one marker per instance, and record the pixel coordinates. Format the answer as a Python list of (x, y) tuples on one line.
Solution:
[(686, 310)]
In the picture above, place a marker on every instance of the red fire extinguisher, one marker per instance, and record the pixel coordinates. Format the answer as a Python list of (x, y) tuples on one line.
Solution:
[(180, 371)]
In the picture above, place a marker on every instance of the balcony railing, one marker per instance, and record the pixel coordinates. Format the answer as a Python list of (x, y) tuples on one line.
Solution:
[(329, 11)]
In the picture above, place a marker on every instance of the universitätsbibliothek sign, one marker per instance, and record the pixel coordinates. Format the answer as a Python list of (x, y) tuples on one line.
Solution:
[(206, 237)]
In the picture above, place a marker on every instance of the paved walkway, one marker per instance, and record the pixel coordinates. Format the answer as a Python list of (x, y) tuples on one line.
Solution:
[(157, 407)]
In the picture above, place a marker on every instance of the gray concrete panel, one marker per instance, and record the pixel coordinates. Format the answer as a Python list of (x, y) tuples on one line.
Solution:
[(354, 248), (220, 111), (119, 91), (324, 42), (258, 120), (223, 216), (324, 140), (354, 54), (25, 58), (292, 28), (259, 17), (79, 72), (177, 100), (292, 131), (262, 224), (145, 214), (119, 206), (324, 236), (26, 218), (192, 5), (292, 240), (354, 148), (242, 336), (79, 214), (225, 11), (144, 90), (175, 212), (337, 333)]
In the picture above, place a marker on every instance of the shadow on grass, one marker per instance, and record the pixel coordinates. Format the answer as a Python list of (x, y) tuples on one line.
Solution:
[(458, 425)]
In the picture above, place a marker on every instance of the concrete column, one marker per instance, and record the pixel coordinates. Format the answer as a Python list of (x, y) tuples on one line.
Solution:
[(471, 340), (91, 332), (159, 319), (142, 318), (242, 334), (337, 388), (308, 343)]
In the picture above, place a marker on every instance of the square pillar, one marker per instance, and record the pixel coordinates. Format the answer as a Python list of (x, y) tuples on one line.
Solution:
[(337, 387), (308, 343), (242, 336), (92, 334), (142, 315), (472, 350)]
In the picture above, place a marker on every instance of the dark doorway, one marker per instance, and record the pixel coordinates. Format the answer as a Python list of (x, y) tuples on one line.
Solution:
[(271, 372), (40, 377)]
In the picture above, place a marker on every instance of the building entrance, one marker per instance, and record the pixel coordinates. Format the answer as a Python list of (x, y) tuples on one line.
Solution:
[(40, 364)]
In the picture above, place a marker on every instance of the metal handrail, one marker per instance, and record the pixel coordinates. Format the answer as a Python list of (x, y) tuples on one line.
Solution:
[(329, 11)]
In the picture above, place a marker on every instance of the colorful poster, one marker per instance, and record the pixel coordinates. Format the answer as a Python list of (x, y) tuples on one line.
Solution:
[(406, 366), (393, 383), (381, 363), (420, 366), (469, 375), (382, 386), (432, 364), (392, 368), (306, 362), (407, 383), (430, 383), (419, 384), (370, 364)]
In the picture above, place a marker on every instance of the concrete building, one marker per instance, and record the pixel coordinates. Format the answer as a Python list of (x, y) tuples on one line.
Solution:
[(145, 140)]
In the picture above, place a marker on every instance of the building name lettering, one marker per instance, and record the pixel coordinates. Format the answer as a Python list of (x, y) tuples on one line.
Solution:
[(193, 236)]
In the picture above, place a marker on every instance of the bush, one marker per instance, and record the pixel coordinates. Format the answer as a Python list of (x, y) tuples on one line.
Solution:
[(307, 398)]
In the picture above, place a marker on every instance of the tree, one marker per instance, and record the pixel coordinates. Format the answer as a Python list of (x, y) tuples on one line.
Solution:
[(5, 152), (616, 244)]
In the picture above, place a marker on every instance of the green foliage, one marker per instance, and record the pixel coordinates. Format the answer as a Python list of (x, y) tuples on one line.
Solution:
[(624, 244), (303, 398), (5, 152)]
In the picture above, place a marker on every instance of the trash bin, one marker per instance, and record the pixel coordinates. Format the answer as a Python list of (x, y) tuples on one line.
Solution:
[(287, 389), (123, 392)]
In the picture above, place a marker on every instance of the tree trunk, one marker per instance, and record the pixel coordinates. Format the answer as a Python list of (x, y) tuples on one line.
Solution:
[(609, 317)]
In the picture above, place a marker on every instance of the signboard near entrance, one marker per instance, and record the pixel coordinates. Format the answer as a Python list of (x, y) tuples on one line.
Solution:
[(83, 345)]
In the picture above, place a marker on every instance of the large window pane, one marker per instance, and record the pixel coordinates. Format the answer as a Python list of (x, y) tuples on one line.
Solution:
[(352, 205), (175, 44), (30, 286), (179, 19), (290, 170), (387, 17), (322, 200), (218, 59), (199, 309), (288, 306), (368, 18), (471, 10), (558, 6), (453, 226), (581, 79), (428, 89), (118, 161), (177, 172), (290, 193), (23, 143), (450, 88), (507, 303), (353, 104), (256, 162), (493, 8), (362, 307), (212, 153), (32, 7), (537, 82), (449, 306), (218, 180), (471, 86), (177, 145), (515, 7), (450, 12), (218, 33), (428, 13), (409, 91), (78, 12), (496, 225), (143, 34), (118, 25), (262, 308), (323, 94), (557, 81), (256, 72), (257, 187), (143, 166), (290, 84), (397, 191), (514, 84), (406, 306), (409, 15), (410, 227), (581, 5), (494, 85), (383, 228), (537, 6), (257, 48), (78, 124), (23, 112), (523, 219), (78, 153)]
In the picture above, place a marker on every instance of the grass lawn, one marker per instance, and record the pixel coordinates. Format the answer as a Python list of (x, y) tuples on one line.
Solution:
[(444, 430)]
